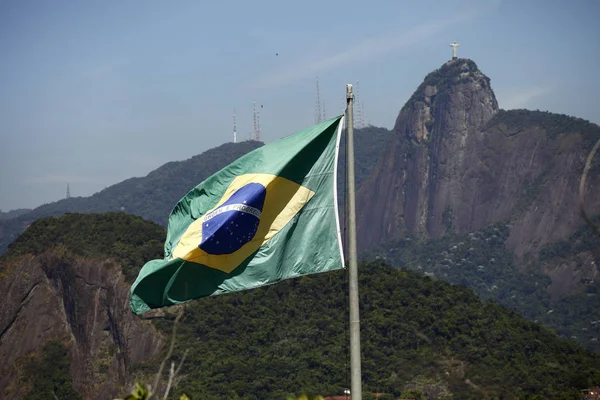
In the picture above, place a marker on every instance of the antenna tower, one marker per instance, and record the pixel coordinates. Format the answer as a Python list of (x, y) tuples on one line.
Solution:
[(257, 135), (360, 116), (234, 128), (68, 192), (255, 121), (318, 114)]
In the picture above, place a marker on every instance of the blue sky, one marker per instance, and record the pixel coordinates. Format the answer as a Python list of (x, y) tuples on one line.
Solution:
[(95, 92)]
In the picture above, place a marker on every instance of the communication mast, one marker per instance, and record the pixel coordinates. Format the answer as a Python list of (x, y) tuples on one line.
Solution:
[(360, 116), (256, 132), (68, 192), (318, 114), (234, 128), (257, 135), (255, 120)]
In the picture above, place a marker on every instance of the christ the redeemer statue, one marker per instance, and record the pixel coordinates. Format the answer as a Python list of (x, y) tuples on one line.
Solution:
[(454, 45)]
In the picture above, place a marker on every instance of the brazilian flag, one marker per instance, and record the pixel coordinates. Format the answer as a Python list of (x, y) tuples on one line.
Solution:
[(270, 215)]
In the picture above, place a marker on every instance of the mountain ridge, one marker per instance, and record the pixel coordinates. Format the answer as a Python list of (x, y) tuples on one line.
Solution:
[(13, 213), (153, 196), (145, 195)]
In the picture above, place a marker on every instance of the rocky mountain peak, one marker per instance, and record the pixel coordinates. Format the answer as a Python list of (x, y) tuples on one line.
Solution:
[(452, 97), (454, 166)]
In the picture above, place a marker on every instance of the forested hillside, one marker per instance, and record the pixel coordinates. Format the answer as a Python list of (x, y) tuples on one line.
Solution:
[(480, 261), (417, 333)]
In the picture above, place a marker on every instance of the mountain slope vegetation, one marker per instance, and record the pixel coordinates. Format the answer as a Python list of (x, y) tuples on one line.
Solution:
[(291, 337), (480, 261), (416, 333), (128, 239)]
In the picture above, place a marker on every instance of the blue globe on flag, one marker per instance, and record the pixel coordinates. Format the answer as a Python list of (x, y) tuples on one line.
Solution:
[(235, 222)]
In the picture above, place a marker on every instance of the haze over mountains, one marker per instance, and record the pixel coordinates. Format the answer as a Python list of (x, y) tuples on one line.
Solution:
[(153, 196), (460, 190), (13, 213)]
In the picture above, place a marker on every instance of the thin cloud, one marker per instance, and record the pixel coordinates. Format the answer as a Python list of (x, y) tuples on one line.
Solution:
[(58, 178), (371, 48), (522, 98)]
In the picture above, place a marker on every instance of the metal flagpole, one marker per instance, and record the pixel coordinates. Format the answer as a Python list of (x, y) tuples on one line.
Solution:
[(355, 378)]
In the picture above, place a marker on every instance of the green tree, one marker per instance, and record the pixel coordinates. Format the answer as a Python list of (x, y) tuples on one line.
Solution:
[(50, 375)]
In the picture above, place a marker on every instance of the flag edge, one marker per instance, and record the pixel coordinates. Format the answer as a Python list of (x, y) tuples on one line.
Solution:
[(335, 192)]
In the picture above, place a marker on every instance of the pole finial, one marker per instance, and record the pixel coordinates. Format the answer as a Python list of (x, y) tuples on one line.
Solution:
[(349, 92)]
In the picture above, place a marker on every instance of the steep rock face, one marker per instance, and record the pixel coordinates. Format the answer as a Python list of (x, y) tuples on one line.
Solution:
[(536, 168), (422, 177), (458, 163), (80, 302)]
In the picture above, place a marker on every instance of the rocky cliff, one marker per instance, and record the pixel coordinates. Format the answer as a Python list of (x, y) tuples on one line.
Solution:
[(458, 163), (81, 302), (54, 293)]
